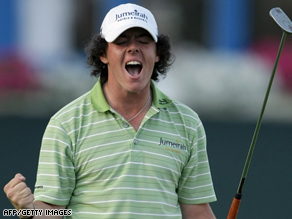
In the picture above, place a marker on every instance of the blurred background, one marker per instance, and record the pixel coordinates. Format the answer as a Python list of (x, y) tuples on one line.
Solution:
[(224, 50)]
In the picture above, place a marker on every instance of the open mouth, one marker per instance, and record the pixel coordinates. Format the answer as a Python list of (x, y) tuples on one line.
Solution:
[(134, 68)]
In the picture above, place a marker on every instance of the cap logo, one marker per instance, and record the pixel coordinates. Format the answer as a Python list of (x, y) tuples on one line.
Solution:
[(131, 15)]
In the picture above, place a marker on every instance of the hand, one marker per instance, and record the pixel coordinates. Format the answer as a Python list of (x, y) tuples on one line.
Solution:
[(18, 193)]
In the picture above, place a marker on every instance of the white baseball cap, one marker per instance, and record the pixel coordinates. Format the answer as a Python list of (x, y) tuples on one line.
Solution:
[(124, 17)]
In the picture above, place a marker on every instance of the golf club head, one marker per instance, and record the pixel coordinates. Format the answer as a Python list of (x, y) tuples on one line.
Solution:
[(281, 19)]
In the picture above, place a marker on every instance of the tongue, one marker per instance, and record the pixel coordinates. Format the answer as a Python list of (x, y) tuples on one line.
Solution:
[(133, 69)]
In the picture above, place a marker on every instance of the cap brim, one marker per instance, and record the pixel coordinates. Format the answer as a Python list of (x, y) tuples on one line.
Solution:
[(113, 35)]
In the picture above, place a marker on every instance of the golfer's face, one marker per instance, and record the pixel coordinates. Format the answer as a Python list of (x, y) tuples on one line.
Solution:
[(130, 59)]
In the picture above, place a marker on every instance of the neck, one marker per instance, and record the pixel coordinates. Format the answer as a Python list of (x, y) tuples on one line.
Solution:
[(130, 105)]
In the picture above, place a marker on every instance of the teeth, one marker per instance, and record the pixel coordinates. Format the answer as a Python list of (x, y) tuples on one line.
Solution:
[(133, 63)]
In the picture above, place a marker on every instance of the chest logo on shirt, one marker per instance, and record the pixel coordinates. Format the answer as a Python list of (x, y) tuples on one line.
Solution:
[(174, 144), (163, 101)]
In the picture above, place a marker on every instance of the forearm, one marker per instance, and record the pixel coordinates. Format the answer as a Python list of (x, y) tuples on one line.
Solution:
[(199, 211)]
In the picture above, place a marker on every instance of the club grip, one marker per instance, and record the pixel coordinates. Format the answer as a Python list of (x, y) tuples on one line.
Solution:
[(234, 206)]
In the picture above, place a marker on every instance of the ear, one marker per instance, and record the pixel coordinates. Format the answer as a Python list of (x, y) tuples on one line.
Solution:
[(103, 58), (157, 58)]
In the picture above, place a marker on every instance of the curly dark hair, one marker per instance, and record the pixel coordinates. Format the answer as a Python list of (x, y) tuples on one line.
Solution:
[(97, 47)]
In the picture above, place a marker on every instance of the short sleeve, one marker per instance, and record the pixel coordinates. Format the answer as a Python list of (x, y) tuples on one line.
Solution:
[(195, 185), (56, 173)]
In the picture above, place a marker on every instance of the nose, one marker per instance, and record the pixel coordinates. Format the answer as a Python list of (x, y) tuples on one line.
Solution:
[(133, 47)]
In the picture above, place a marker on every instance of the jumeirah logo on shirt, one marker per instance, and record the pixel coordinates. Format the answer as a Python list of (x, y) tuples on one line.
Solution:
[(175, 144)]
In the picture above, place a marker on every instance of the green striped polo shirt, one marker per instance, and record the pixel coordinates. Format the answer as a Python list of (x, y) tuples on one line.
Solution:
[(95, 163)]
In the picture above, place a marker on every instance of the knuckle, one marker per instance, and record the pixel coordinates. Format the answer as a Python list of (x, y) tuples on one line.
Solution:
[(27, 190), (9, 194), (22, 185), (6, 188), (14, 199)]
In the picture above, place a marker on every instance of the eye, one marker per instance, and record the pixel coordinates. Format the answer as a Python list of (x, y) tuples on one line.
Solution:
[(144, 40), (120, 43), (120, 40)]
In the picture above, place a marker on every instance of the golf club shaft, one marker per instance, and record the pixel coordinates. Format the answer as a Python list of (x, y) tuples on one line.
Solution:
[(237, 198)]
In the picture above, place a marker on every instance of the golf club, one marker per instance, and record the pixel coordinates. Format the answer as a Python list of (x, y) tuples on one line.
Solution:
[(286, 25)]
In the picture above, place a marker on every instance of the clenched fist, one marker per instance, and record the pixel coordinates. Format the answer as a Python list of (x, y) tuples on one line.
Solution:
[(18, 193)]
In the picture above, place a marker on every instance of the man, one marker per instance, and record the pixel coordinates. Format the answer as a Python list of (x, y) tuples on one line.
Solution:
[(124, 149)]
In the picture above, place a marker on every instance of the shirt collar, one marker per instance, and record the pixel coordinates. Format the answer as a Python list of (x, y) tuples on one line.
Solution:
[(97, 98), (160, 100)]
